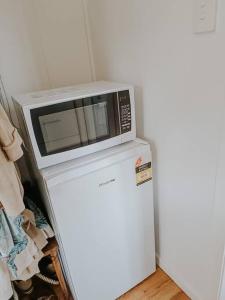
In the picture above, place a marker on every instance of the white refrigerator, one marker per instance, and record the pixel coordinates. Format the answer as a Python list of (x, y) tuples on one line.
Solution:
[(101, 208)]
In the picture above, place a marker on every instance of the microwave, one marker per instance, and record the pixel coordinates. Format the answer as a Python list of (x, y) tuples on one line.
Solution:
[(70, 122)]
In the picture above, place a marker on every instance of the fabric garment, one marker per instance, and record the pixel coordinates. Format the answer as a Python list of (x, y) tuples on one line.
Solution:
[(11, 190), (21, 240), (23, 232)]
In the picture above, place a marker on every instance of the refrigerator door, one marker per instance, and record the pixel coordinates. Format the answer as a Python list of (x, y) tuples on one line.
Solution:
[(105, 224)]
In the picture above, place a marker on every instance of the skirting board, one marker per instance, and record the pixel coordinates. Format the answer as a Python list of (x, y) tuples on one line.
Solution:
[(172, 273)]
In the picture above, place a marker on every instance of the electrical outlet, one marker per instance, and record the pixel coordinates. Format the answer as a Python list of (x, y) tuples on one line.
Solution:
[(205, 15)]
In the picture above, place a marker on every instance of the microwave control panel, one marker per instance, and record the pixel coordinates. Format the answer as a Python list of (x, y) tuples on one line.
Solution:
[(125, 111)]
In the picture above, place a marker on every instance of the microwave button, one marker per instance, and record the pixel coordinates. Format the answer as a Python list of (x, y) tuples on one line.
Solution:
[(125, 111)]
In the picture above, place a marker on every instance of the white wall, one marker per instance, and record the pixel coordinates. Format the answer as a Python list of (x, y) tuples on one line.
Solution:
[(218, 230), (43, 44), (17, 66), (180, 80), (58, 36)]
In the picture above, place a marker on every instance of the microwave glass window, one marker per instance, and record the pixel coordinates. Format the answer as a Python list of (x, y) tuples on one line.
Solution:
[(101, 119), (82, 125), (76, 123), (106, 115), (90, 120), (96, 118), (60, 130)]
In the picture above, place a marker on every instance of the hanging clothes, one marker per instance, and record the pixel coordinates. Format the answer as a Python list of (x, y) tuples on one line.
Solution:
[(11, 190), (21, 240), (23, 231)]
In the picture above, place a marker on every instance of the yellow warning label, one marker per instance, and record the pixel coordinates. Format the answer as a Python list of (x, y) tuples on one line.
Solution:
[(143, 173)]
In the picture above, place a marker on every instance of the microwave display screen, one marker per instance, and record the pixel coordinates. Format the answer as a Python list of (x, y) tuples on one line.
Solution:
[(76, 123)]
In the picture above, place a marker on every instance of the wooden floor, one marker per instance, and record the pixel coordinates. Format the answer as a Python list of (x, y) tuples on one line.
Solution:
[(159, 286)]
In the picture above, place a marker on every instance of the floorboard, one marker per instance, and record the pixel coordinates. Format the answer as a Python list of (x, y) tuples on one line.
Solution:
[(158, 286)]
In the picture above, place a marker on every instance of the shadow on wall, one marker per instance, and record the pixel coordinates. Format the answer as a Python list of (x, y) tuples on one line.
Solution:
[(140, 133), (139, 111), (155, 197)]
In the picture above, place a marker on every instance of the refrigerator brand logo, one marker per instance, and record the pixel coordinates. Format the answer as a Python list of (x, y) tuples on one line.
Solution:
[(107, 182)]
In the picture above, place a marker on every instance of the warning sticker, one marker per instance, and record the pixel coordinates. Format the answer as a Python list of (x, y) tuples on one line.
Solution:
[(139, 162), (143, 173)]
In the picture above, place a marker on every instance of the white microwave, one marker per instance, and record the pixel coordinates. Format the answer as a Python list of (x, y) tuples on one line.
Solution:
[(70, 122)]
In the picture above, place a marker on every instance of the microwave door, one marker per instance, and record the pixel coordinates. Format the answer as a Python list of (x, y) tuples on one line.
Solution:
[(60, 130), (76, 123)]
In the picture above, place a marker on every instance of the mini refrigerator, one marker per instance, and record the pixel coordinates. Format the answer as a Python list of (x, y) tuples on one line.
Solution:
[(101, 208)]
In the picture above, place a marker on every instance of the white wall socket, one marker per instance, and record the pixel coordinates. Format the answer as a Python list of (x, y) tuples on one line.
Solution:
[(205, 12)]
